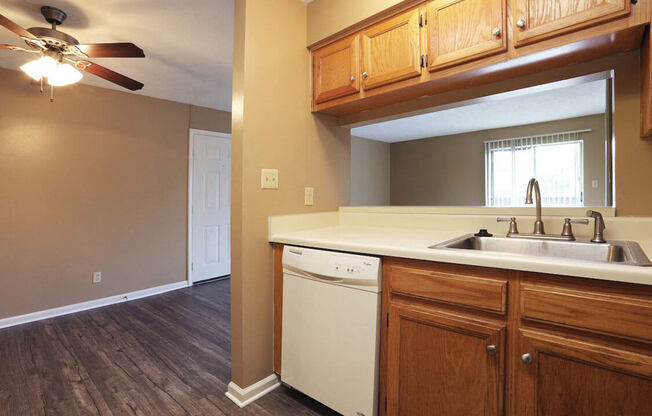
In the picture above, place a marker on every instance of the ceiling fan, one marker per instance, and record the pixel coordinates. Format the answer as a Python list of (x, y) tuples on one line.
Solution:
[(61, 56)]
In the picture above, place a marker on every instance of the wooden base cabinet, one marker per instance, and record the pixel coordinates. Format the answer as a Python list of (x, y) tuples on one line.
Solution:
[(530, 345), (443, 364), (564, 376)]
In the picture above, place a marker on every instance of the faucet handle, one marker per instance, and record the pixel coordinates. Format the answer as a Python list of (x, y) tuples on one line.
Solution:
[(567, 231), (583, 221), (513, 228)]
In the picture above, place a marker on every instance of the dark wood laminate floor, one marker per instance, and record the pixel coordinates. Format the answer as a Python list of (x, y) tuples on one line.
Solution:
[(163, 355)]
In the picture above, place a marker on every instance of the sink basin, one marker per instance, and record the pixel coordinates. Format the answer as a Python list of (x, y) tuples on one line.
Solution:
[(617, 252)]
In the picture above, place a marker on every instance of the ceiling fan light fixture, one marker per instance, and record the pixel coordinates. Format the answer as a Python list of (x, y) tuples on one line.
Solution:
[(63, 74), (39, 68)]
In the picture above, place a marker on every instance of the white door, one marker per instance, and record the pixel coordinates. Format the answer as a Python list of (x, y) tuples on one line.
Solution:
[(210, 250)]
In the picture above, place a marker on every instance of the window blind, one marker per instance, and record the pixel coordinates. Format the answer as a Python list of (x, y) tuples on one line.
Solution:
[(555, 159)]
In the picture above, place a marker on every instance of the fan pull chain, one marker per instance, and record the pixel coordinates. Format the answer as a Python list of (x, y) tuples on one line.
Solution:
[(51, 94), (41, 85)]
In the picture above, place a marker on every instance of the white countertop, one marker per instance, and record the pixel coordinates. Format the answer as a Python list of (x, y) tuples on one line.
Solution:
[(413, 243)]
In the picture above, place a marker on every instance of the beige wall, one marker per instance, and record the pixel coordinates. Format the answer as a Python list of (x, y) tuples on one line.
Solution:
[(203, 118), (96, 181), (273, 128), (633, 155), (326, 17), (369, 172), (450, 170)]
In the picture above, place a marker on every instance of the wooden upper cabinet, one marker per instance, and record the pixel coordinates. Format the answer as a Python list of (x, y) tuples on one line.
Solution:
[(391, 50), (539, 19), (336, 69), (463, 30), (443, 364), (563, 376)]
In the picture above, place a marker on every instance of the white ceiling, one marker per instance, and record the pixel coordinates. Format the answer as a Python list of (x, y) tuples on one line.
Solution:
[(518, 109), (188, 44)]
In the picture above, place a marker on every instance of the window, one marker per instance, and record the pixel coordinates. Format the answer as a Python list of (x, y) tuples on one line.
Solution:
[(556, 160)]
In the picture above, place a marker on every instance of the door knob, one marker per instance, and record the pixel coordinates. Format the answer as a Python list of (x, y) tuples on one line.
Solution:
[(492, 350), (526, 358), (496, 32), (520, 23)]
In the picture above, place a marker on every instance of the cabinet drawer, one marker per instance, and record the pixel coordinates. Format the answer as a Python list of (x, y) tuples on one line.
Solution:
[(451, 284), (607, 314)]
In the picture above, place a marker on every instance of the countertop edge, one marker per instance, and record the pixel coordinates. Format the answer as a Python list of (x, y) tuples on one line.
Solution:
[(599, 271)]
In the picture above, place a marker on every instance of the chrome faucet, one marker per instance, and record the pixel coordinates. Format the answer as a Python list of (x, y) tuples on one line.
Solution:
[(538, 224)]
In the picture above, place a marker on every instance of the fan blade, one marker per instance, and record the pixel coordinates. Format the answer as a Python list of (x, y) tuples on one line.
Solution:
[(111, 50), (112, 76), (17, 48), (15, 28)]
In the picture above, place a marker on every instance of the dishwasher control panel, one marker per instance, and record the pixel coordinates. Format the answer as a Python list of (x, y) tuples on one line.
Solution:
[(332, 264), (341, 265)]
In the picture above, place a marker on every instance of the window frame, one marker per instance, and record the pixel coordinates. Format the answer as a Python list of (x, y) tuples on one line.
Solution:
[(489, 165)]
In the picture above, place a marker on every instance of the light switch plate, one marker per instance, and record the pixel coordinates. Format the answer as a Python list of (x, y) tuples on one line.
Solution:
[(269, 178), (97, 277), (594, 183), (309, 196)]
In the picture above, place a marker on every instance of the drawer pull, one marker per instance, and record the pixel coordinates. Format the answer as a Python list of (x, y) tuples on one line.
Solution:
[(520, 23), (526, 358)]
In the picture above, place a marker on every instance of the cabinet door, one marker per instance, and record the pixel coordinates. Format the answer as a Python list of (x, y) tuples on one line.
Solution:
[(336, 69), (561, 376), (462, 30), (540, 19), (391, 50), (443, 364)]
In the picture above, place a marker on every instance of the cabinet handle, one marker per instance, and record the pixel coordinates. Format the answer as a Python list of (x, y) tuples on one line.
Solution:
[(492, 350), (352, 78), (364, 74), (520, 23), (496, 32), (526, 358)]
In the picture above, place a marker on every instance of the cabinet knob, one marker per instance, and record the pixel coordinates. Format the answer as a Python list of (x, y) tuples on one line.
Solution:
[(520, 23), (526, 358), (496, 32), (364, 74), (352, 78), (492, 350)]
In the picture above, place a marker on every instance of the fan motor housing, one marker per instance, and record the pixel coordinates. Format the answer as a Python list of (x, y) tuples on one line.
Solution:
[(53, 38)]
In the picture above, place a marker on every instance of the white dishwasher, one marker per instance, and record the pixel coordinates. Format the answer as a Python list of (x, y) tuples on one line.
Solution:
[(331, 326)]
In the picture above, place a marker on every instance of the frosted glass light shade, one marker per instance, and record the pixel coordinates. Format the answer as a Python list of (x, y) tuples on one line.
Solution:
[(39, 68), (63, 74)]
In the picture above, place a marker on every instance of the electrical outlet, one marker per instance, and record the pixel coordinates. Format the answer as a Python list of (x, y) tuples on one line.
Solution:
[(594, 183), (269, 178), (97, 277), (309, 196)]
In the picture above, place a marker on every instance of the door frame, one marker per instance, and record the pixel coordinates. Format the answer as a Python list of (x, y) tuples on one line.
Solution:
[(191, 162)]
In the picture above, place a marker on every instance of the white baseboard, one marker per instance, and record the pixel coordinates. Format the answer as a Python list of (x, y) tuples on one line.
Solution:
[(243, 397), (91, 304)]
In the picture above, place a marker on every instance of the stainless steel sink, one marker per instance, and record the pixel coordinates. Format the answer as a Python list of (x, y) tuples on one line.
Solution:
[(618, 252)]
